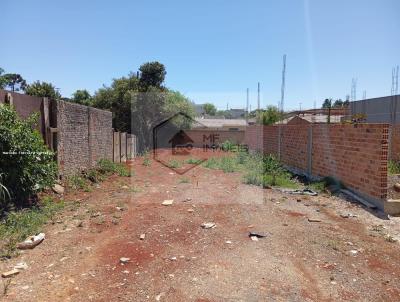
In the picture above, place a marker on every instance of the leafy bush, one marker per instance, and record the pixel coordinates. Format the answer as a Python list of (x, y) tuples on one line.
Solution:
[(21, 224), (26, 165), (227, 145), (394, 167)]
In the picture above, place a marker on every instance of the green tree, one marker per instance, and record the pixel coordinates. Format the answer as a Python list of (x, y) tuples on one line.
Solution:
[(26, 165), (12, 81), (152, 74), (338, 103), (2, 80), (210, 109), (82, 97), (43, 89), (268, 117), (327, 104)]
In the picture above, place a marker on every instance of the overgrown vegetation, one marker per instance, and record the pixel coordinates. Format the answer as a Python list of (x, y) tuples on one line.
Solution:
[(103, 169), (193, 161), (258, 170), (27, 166), (394, 167), (18, 225)]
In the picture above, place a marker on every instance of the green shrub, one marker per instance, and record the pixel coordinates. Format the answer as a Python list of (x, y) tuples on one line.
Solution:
[(227, 145), (17, 226), (193, 161), (394, 167), (107, 167), (26, 164)]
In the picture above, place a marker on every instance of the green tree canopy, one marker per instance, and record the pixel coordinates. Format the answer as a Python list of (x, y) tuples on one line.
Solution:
[(210, 109), (152, 74), (12, 81), (82, 97), (268, 117), (43, 89)]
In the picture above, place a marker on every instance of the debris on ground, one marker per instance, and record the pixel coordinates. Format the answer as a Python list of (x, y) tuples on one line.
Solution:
[(124, 187), (120, 208), (257, 234), (300, 192), (97, 214), (142, 236), (58, 189), (158, 297), (124, 260), (21, 266), (314, 220), (10, 273), (187, 199), (348, 215), (208, 225), (31, 242), (254, 238), (167, 202), (396, 186), (190, 210)]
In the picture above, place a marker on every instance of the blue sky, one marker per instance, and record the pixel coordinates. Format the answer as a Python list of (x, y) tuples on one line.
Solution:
[(213, 50)]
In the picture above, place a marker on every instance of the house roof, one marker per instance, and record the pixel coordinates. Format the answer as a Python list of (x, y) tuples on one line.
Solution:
[(314, 118), (220, 123)]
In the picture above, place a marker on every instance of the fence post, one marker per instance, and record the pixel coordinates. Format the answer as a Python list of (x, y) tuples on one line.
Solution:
[(279, 141)]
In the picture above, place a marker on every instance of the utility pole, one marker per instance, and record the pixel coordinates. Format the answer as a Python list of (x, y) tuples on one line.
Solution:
[(353, 89), (364, 94), (258, 95), (395, 80), (283, 86), (247, 104)]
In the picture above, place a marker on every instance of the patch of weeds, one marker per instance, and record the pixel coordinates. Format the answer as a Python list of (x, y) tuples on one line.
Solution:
[(18, 225), (377, 228), (317, 186), (333, 244), (193, 161), (135, 189), (77, 182), (184, 180), (227, 164), (390, 238), (394, 167), (146, 159), (227, 145), (174, 164), (107, 167)]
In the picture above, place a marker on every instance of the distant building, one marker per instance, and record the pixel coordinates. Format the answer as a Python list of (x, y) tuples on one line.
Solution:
[(222, 124), (311, 119), (377, 110)]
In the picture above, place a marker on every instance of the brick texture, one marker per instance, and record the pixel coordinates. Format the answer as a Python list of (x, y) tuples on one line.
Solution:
[(84, 136), (355, 154), (395, 144)]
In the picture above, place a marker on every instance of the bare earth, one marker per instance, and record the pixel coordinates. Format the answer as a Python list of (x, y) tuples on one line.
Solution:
[(337, 259)]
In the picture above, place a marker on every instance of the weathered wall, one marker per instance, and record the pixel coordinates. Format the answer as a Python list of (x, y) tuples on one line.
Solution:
[(355, 154), (100, 135), (84, 136), (378, 110)]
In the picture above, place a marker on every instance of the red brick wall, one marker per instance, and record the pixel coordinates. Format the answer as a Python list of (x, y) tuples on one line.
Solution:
[(294, 140), (395, 144), (355, 154)]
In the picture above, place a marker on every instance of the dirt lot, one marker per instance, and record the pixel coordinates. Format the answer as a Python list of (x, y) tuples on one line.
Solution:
[(336, 259)]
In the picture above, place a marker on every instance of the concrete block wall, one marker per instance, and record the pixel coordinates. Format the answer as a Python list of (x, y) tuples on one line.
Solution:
[(355, 154), (100, 135), (84, 137)]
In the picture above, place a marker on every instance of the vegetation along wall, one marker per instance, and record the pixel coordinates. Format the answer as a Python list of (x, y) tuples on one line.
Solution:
[(355, 154)]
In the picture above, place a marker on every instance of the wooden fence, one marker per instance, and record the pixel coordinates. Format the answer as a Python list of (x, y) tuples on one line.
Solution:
[(124, 146)]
